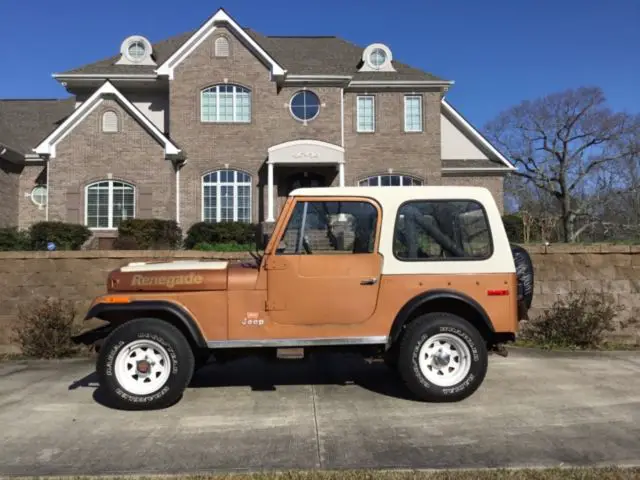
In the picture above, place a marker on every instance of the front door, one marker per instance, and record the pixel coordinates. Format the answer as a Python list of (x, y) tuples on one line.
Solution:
[(305, 180), (326, 270)]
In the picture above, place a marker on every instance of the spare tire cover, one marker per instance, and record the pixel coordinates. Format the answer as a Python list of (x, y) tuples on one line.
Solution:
[(524, 272)]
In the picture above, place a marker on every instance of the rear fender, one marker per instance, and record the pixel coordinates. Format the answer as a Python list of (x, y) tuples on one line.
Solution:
[(118, 313), (433, 300)]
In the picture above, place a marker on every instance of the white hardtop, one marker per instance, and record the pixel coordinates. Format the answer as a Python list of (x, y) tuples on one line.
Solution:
[(399, 194), (390, 200)]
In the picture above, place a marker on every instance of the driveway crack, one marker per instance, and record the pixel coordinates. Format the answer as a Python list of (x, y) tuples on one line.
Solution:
[(315, 421)]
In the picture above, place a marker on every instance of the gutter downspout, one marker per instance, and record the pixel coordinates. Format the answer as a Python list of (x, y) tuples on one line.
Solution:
[(178, 192), (46, 207), (342, 117)]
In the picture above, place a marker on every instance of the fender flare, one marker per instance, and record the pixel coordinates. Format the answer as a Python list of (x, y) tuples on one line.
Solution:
[(111, 311), (438, 294)]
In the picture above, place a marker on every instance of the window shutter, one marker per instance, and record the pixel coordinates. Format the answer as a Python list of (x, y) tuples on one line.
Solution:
[(109, 122), (73, 205), (145, 202), (222, 47)]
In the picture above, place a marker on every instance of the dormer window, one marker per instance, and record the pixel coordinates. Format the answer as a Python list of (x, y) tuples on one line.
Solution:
[(135, 50), (377, 58)]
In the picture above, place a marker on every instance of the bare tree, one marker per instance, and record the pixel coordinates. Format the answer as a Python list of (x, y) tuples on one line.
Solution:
[(566, 145)]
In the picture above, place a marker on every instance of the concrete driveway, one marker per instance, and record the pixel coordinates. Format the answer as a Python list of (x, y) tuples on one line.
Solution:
[(533, 409)]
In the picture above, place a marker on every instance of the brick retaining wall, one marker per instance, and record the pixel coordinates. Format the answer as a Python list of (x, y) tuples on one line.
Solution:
[(80, 276)]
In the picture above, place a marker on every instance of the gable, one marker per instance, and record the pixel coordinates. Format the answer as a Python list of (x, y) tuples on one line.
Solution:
[(107, 91), (220, 19), (456, 145), (464, 147), (241, 64)]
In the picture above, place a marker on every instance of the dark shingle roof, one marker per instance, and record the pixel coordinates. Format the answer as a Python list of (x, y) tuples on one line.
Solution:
[(299, 55), (24, 123), (478, 163), (161, 52)]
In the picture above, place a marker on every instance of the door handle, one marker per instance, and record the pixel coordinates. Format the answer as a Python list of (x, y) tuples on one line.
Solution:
[(369, 281)]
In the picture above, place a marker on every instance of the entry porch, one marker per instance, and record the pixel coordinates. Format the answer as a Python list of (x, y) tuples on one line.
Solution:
[(298, 164)]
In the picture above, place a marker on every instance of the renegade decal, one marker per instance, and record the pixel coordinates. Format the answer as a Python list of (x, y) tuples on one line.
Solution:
[(168, 281)]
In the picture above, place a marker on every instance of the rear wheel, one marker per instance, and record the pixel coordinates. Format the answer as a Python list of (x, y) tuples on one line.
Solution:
[(144, 364), (442, 358)]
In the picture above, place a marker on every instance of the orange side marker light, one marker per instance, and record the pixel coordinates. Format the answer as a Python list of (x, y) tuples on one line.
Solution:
[(498, 293), (114, 299)]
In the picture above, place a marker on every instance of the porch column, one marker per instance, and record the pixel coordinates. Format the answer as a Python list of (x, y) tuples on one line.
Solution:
[(341, 174), (270, 193)]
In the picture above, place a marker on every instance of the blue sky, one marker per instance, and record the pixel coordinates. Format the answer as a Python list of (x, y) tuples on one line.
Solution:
[(499, 52)]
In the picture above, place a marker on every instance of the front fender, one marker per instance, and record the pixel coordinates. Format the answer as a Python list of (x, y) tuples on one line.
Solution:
[(116, 312)]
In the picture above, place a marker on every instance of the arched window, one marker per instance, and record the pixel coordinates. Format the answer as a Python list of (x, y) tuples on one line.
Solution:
[(226, 196), (389, 180), (221, 47), (110, 122), (109, 202), (225, 103)]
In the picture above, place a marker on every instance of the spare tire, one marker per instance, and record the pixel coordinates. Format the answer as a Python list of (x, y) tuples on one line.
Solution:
[(524, 272)]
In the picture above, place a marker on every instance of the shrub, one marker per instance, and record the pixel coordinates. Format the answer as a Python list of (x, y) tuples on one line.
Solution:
[(66, 236), (225, 232), (582, 319), (514, 227), (45, 328), (223, 247), (12, 239), (145, 234)]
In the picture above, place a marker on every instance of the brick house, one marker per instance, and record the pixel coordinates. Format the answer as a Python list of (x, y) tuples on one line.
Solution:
[(222, 122)]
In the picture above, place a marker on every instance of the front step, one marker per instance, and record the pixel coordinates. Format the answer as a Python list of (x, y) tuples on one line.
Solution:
[(290, 353)]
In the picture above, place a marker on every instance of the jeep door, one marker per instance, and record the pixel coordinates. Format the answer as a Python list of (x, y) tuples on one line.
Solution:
[(325, 268)]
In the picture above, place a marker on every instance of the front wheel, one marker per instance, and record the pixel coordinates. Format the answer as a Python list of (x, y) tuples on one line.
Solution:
[(144, 364), (443, 358)]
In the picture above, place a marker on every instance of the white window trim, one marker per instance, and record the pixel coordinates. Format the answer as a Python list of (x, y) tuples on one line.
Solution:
[(302, 120), (379, 177), (233, 100), (218, 184), (373, 112), (110, 200), (220, 43), (406, 129), (117, 117), (46, 196)]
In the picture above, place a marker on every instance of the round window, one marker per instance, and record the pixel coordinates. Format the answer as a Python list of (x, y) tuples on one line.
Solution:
[(136, 50), (305, 105), (377, 57), (39, 195)]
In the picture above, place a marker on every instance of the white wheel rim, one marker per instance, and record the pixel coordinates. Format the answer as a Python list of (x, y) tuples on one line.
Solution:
[(444, 359), (142, 367)]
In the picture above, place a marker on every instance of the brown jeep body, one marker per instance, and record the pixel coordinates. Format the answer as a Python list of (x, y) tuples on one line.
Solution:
[(321, 299)]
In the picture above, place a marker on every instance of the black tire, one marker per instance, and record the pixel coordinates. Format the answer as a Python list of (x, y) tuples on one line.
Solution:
[(181, 362), (422, 329), (524, 272)]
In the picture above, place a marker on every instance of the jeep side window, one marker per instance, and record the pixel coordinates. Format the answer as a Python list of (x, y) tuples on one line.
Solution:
[(333, 227), (442, 230)]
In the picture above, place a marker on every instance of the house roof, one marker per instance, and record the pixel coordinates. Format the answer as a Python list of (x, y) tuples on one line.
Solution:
[(300, 55), (24, 123)]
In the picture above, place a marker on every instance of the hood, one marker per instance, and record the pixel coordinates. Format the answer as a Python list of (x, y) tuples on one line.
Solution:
[(182, 275)]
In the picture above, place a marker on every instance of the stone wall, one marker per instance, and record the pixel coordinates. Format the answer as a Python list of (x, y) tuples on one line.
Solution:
[(80, 276)]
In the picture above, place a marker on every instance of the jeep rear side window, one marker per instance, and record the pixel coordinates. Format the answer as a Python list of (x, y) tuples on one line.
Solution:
[(428, 230), (331, 227)]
